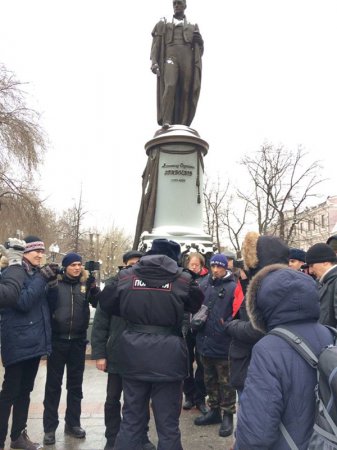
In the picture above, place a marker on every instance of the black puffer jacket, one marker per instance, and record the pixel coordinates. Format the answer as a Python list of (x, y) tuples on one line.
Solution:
[(71, 313), (155, 292)]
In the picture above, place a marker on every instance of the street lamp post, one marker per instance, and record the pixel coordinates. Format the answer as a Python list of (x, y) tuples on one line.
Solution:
[(54, 249)]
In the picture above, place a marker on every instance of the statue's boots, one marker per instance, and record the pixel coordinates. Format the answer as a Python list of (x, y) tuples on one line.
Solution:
[(226, 428), (213, 416)]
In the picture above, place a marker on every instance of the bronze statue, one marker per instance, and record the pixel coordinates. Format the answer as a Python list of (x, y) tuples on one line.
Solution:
[(176, 52)]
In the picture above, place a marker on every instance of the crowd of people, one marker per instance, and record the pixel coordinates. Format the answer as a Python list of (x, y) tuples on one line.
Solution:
[(160, 331)]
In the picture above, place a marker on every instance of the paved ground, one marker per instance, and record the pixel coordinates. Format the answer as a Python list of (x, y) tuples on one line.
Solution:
[(193, 438)]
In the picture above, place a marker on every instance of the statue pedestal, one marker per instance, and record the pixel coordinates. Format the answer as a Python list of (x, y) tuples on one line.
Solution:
[(175, 180)]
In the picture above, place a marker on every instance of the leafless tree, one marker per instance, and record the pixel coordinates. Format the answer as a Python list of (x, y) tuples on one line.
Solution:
[(72, 235), (281, 183), (233, 219), (214, 202)]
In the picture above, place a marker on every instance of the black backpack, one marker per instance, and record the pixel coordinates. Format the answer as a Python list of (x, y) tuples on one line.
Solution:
[(324, 435)]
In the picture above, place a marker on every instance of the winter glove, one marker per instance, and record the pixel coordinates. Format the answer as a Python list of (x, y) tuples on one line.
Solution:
[(13, 250), (49, 273)]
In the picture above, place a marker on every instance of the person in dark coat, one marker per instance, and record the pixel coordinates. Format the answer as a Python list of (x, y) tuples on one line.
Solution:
[(12, 273), (152, 296), (70, 320), (213, 345), (258, 251), (105, 350), (322, 262), (25, 337), (280, 385), (194, 386)]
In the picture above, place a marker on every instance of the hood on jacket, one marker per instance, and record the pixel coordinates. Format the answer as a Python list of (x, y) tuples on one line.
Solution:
[(260, 251), (279, 295), (154, 269)]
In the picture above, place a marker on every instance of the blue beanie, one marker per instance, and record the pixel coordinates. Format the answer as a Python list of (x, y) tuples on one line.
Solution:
[(220, 260), (297, 253), (71, 258)]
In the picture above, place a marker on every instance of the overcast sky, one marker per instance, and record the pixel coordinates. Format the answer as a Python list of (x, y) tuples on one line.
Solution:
[(269, 74)]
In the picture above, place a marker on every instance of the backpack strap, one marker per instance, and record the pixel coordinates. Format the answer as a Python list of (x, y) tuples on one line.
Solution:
[(298, 344), (288, 438)]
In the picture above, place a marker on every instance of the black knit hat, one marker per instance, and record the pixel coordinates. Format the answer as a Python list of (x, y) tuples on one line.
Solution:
[(71, 258), (332, 241), (297, 253), (320, 253), (132, 254)]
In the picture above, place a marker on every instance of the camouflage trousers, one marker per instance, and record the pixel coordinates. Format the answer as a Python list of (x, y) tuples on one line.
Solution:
[(219, 391)]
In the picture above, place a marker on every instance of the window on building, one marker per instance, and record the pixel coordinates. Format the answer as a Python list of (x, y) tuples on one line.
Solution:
[(301, 227), (322, 220), (309, 225)]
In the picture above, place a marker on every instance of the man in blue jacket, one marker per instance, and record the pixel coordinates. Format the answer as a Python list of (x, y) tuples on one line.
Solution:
[(25, 337), (213, 345), (280, 385)]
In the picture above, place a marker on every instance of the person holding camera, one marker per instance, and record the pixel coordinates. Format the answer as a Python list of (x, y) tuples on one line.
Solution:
[(70, 320), (25, 337), (12, 273)]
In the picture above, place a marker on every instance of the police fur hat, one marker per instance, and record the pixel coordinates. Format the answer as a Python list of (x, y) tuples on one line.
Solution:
[(165, 247), (297, 253), (229, 254), (260, 251), (132, 254)]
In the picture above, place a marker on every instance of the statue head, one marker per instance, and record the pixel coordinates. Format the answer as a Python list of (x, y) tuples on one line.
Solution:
[(179, 7)]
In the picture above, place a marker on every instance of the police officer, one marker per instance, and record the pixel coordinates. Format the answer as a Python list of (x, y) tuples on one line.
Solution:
[(152, 296)]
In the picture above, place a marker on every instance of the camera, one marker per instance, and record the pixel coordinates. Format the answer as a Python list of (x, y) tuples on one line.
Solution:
[(238, 263), (91, 266)]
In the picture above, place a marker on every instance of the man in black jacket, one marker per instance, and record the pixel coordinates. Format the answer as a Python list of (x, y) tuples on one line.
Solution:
[(70, 320), (152, 296), (322, 261)]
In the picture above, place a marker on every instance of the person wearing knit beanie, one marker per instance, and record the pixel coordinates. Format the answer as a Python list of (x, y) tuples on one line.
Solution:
[(70, 321), (296, 258), (320, 258), (70, 258), (322, 262), (219, 260), (33, 243)]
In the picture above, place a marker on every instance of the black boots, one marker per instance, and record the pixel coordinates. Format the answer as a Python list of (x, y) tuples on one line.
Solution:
[(226, 428), (213, 416)]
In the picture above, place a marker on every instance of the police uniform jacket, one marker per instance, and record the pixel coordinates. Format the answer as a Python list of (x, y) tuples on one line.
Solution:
[(152, 296)]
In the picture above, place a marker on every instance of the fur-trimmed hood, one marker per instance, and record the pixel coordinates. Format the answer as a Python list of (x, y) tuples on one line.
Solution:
[(260, 251), (278, 295)]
